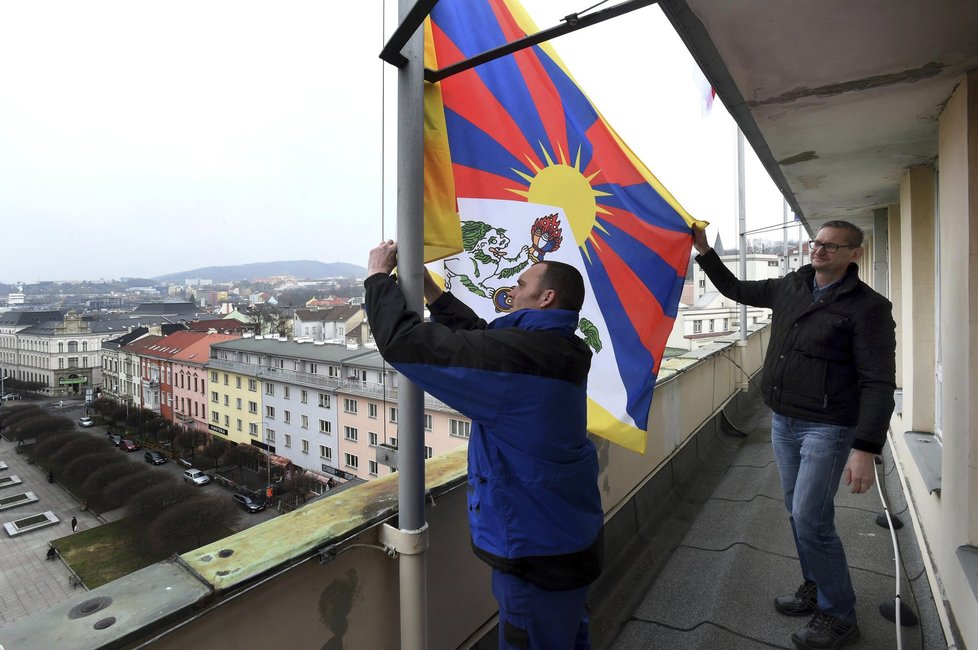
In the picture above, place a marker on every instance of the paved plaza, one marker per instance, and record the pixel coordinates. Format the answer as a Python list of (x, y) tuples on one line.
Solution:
[(29, 582)]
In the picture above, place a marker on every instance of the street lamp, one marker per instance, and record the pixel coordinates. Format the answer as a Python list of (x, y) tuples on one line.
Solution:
[(268, 461)]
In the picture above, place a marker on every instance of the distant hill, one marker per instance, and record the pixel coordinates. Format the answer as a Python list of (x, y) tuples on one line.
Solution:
[(300, 269)]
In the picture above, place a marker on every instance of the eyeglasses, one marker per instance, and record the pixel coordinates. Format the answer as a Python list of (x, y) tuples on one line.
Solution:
[(829, 248)]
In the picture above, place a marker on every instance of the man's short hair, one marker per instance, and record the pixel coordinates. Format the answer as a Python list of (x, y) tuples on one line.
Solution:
[(566, 281), (855, 233)]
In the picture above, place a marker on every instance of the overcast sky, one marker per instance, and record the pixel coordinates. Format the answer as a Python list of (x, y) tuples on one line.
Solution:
[(139, 139)]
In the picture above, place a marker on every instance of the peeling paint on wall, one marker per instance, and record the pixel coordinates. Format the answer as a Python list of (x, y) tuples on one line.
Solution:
[(925, 71), (335, 605)]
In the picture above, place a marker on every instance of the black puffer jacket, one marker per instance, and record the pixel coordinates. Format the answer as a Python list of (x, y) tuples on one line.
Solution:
[(830, 361)]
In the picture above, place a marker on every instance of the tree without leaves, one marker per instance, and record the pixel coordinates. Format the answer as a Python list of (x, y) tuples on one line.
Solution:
[(10, 417), (150, 502), (41, 424), (77, 470), (215, 449), (301, 485), (95, 486), (117, 492), (190, 440), (169, 432), (78, 445), (191, 524), (242, 456), (50, 443)]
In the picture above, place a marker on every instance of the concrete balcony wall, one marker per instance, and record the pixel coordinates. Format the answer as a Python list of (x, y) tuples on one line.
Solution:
[(267, 587), (949, 517)]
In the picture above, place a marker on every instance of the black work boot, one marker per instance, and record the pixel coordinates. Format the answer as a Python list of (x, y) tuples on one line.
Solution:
[(801, 604), (825, 632)]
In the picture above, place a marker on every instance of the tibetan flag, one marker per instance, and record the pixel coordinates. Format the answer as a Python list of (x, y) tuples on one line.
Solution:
[(537, 173)]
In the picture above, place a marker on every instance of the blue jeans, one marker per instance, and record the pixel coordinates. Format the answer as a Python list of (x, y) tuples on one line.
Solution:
[(531, 618), (811, 457)]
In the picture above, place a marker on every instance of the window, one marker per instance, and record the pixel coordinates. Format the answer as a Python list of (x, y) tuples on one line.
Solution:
[(697, 327), (286, 392), (305, 446), (372, 467), (227, 400), (712, 325), (288, 441), (253, 429), (286, 417), (305, 421), (702, 283), (240, 425), (326, 452), (428, 453), (349, 405), (372, 438), (215, 416), (72, 346), (270, 389), (392, 441), (253, 385), (351, 461), (322, 451), (427, 422), (237, 382), (270, 412), (371, 410), (325, 426), (269, 435), (351, 434), (324, 400), (214, 396), (393, 414), (227, 420), (227, 380), (726, 324), (304, 396), (238, 403), (460, 428), (252, 407), (312, 368), (214, 376)]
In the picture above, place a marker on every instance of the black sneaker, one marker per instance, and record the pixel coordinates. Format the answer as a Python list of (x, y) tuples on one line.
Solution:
[(801, 604), (824, 632)]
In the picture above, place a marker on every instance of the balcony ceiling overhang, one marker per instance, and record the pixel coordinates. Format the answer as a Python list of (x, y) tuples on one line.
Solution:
[(838, 98)]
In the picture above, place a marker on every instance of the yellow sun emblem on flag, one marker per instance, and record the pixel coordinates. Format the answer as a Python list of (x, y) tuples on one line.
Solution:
[(562, 184)]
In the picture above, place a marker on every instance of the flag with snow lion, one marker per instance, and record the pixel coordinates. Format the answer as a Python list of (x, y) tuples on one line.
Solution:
[(537, 174)]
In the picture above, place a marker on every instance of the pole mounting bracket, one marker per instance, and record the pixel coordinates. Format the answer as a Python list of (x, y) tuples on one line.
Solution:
[(407, 542)]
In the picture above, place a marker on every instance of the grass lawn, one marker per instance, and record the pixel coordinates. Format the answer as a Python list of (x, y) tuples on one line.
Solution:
[(105, 553)]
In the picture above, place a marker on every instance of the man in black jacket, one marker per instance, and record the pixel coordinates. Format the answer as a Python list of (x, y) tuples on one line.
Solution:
[(829, 377)]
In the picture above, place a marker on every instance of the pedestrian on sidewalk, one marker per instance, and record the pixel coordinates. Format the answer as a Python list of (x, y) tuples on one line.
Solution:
[(74, 524)]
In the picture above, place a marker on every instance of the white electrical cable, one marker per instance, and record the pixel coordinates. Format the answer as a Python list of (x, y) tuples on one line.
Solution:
[(896, 554)]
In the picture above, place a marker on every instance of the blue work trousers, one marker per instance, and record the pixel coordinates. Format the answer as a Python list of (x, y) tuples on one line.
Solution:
[(531, 618), (811, 457)]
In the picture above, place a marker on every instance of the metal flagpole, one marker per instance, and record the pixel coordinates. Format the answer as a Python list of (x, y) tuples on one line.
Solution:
[(410, 401), (742, 225)]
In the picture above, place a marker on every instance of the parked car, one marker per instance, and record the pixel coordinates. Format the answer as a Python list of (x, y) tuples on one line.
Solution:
[(86, 422), (10, 396), (196, 476), (115, 439), (129, 445), (249, 503), (154, 457)]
